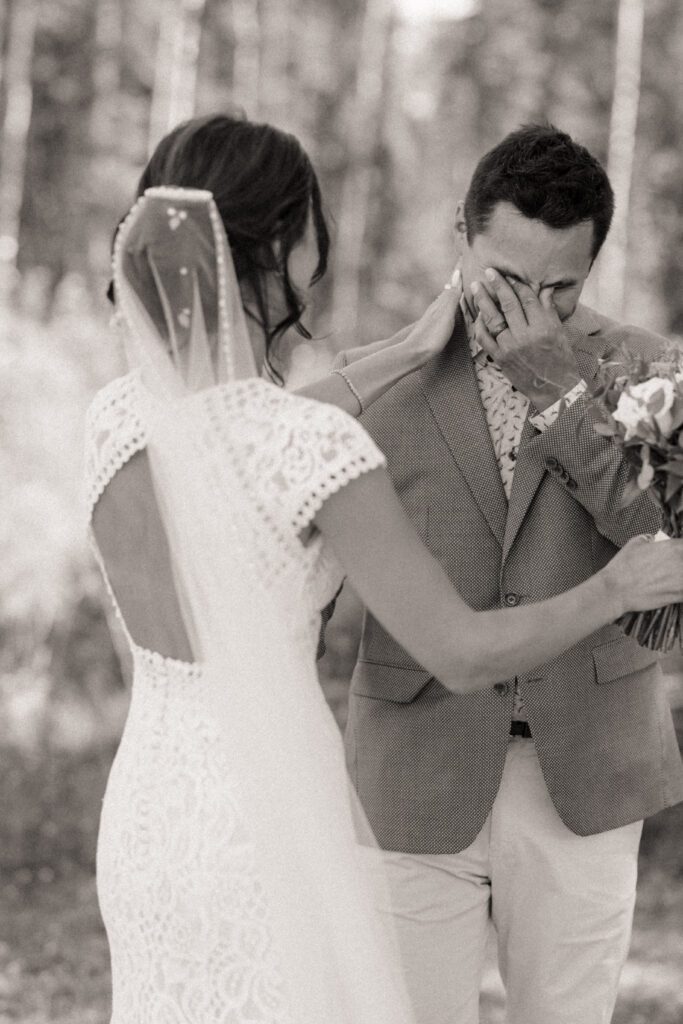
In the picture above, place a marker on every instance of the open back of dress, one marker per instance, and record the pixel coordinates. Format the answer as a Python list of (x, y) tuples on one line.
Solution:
[(130, 538), (135, 557)]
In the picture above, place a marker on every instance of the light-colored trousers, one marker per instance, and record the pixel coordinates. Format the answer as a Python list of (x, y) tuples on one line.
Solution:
[(562, 906)]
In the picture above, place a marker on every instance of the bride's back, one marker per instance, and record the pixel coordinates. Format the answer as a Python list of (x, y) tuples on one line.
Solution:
[(135, 555), (129, 535)]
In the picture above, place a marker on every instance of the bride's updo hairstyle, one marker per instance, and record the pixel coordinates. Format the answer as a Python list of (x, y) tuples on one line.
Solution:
[(264, 187)]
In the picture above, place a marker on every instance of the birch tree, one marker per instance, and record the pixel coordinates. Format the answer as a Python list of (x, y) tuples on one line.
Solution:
[(360, 133), (105, 125), (621, 151), (175, 78), (106, 75), (21, 29), (246, 75), (276, 56), (3, 22)]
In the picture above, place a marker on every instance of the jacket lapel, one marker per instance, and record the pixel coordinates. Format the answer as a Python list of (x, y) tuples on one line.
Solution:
[(452, 393), (530, 470)]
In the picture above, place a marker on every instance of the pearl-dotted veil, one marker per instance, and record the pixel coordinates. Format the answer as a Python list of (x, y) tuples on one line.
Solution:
[(180, 305)]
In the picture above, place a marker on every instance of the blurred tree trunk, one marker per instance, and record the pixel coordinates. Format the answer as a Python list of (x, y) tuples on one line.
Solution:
[(106, 74), (246, 75), (275, 70), (3, 23), (175, 78), (621, 152), (18, 91), (362, 130), (105, 122)]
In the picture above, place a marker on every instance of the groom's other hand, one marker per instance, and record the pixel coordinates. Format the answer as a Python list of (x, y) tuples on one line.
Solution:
[(523, 334), (325, 616)]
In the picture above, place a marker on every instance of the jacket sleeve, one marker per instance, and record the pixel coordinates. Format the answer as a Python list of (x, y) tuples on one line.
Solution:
[(594, 470)]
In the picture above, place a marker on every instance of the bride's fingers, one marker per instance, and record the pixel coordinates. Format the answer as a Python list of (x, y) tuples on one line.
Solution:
[(442, 307), (435, 326), (445, 308), (455, 283)]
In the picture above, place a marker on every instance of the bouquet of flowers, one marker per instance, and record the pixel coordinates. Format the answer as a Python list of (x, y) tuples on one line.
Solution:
[(644, 406)]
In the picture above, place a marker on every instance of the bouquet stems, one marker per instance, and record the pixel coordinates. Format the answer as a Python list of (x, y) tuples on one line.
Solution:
[(662, 628)]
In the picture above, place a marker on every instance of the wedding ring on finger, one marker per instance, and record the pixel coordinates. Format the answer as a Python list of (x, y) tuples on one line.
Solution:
[(496, 329)]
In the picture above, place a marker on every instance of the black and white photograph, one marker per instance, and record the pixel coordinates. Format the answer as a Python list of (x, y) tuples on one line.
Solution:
[(341, 512)]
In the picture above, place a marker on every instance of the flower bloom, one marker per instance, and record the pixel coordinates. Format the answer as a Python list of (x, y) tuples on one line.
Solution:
[(642, 406)]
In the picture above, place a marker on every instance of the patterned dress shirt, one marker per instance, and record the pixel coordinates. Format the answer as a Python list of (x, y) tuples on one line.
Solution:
[(506, 410)]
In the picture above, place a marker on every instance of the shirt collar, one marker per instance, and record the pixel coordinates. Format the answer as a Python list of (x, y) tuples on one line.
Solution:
[(474, 346)]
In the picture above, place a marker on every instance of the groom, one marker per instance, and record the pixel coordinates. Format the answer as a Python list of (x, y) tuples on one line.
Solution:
[(522, 805)]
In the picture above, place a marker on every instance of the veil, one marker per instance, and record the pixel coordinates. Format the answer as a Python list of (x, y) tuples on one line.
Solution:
[(178, 298)]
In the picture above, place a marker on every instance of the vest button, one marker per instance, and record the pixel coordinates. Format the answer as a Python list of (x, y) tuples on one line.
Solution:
[(502, 688), (512, 600)]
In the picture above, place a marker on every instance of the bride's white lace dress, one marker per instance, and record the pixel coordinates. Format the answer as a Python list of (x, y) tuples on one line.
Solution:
[(178, 883)]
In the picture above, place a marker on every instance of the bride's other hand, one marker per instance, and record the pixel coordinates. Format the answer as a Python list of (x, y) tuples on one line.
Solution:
[(418, 342), (430, 334), (362, 375), (646, 575)]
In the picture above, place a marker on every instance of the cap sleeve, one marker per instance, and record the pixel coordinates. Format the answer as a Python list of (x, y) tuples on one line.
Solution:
[(325, 449)]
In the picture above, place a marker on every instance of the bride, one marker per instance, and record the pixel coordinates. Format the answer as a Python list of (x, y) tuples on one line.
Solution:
[(225, 512)]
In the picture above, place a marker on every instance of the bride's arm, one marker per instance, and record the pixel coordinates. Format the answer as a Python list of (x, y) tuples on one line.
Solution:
[(408, 592), (352, 355), (371, 370)]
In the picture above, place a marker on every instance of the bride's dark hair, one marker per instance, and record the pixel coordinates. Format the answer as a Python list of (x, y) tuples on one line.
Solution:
[(264, 186)]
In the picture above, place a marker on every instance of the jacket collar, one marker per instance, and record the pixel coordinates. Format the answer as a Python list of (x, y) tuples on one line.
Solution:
[(450, 388)]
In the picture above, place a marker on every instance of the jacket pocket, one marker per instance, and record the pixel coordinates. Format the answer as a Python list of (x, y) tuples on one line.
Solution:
[(389, 682), (621, 657)]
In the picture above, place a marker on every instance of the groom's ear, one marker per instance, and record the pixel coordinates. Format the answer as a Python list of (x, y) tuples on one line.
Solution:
[(460, 227)]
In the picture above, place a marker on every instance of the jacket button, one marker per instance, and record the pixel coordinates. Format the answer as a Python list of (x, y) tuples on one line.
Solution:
[(551, 462), (502, 688), (512, 600), (571, 484)]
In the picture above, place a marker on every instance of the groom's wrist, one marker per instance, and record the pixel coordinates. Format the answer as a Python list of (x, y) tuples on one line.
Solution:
[(612, 597), (544, 418)]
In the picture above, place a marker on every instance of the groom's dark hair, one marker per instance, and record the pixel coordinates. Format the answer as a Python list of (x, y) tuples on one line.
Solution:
[(547, 177)]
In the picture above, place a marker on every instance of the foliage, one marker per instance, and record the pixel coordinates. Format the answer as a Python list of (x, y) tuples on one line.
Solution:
[(54, 961), (445, 91), (644, 407), (55, 643), (642, 400)]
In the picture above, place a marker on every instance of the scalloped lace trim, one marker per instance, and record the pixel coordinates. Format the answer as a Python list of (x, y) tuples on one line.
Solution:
[(115, 432)]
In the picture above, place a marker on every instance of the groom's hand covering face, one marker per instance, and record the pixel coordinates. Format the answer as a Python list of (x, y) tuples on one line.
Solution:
[(522, 279), (524, 335), (554, 260)]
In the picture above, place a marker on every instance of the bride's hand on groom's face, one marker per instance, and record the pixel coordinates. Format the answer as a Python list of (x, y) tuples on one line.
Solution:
[(417, 343), (431, 333), (524, 335)]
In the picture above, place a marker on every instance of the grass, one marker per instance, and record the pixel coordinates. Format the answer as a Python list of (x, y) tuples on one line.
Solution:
[(53, 951)]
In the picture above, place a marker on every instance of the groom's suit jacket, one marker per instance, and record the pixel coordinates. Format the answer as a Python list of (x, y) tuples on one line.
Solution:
[(427, 763)]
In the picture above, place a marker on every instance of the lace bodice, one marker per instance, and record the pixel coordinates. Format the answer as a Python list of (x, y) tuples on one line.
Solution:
[(290, 454), (177, 869)]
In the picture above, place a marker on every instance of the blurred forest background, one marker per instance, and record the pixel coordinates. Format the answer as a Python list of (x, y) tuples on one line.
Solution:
[(395, 100)]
